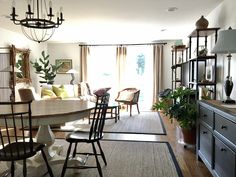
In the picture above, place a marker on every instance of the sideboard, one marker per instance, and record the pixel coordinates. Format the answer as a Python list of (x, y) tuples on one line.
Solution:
[(216, 137)]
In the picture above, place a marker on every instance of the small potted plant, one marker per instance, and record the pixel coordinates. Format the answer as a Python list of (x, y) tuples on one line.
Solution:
[(183, 109), (45, 70)]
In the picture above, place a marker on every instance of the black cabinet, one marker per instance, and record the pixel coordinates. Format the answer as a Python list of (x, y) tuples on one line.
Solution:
[(216, 140)]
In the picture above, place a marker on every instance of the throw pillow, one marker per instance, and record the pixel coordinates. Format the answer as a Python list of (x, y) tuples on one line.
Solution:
[(126, 96), (101, 91), (47, 93), (60, 91)]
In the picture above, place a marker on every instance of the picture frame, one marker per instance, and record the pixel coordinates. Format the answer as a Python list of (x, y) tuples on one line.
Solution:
[(210, 73), (66, 65)]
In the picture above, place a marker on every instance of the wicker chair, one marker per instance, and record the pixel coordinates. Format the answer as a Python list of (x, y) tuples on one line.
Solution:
[(129, 97)]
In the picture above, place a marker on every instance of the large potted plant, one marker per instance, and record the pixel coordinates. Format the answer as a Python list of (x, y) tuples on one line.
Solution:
[(45, 70), (183, 109)]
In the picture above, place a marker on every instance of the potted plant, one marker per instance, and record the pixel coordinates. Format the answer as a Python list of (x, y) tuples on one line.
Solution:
[(183, 109), (47, 71)]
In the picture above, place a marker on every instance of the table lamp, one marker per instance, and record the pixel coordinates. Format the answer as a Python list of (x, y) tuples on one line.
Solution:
[(72, 72), (226, 44)]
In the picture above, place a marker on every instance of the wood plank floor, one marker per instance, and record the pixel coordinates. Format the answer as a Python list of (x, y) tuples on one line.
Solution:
[(186, 157)]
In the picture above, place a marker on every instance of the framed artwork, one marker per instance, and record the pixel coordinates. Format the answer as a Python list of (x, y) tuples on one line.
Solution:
[(66, 65)]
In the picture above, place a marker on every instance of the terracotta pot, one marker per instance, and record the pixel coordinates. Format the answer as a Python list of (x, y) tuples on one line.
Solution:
[(189, 135)]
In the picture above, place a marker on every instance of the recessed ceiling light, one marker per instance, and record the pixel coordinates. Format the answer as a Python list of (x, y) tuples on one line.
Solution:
[(172, 9)]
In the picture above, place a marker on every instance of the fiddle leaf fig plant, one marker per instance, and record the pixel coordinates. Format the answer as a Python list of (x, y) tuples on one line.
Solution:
[(183, 107), (45, 70)]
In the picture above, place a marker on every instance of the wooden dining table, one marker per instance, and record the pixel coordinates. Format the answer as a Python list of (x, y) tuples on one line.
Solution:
[(46, 113)]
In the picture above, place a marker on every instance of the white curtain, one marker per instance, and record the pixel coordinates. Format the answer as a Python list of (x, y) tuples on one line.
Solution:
[(121, 53)]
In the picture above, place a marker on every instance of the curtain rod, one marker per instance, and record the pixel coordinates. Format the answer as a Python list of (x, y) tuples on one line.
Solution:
[(162, 43)]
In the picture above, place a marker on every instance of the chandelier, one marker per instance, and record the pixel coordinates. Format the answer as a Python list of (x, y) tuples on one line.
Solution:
[(38, 24)]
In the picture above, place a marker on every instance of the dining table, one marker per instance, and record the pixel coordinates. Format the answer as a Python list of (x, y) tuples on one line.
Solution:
[(46, 113)]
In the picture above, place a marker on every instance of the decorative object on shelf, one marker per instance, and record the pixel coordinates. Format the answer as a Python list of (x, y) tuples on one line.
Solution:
[(202, 52), (202, 23), (45, 70), (38, 24), (65, 65), (210, 73), (72, 72), (226, 44), (183, 109)]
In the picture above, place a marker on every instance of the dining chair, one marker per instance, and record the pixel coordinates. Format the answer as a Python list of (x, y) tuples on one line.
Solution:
[(16, 135), (93, 136), (129, 97)]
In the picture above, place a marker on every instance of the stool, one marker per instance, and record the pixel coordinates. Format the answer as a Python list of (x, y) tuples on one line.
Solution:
[(114, 110)]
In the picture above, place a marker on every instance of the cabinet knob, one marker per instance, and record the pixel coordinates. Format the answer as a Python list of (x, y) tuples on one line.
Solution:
[(223, 150), (223, 127), (204, 132)]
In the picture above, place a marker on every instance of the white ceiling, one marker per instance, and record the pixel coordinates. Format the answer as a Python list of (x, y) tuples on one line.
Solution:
[(119, 21)]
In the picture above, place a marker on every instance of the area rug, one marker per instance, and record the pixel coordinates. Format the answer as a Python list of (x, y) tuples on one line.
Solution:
[(147, 122), (131, 159)]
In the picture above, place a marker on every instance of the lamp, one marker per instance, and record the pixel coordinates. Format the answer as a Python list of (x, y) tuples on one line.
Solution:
[(72, 72), (226, 44), (38, 24)]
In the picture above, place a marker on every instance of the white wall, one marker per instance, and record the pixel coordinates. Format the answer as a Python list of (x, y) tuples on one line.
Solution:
[(224, 16), (65, 51)]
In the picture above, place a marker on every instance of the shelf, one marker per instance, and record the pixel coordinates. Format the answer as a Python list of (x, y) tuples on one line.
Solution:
[(176, 80), (203, 32), (203, 58), (203, 83)]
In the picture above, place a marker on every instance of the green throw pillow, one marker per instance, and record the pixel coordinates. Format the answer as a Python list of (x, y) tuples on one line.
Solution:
[(48, 93), (60, 91)]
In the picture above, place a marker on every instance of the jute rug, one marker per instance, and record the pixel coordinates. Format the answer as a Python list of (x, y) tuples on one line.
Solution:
[(144, 123), (124, 159), (130, 159)]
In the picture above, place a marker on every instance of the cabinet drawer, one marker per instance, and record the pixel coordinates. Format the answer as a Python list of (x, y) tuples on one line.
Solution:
[(206, 143), (225, 128), (224, 160), (206, 115)]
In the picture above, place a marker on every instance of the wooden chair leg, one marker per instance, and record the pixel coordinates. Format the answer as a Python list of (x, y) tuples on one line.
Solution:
[(74, 152), (24, 168), (12, 169), (102, 153), (130, 110), (47, 164), (66, 161), (97, 161), (138, 108)]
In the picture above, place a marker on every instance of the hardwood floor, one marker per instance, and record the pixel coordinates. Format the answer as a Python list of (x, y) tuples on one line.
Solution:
[(186, 157)]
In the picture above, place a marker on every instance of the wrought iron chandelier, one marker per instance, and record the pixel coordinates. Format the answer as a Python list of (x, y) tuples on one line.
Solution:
[(38, 24)]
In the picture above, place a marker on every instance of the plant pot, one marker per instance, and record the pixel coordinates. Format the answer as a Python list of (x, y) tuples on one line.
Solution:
[(189, 135)]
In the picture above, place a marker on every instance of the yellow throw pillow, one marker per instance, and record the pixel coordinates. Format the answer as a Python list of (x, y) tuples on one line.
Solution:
[(47, 93), (60, 91)]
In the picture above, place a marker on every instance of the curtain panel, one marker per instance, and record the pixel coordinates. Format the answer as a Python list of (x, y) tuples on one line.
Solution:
[(121, 53), (84, 54), (157, 71)]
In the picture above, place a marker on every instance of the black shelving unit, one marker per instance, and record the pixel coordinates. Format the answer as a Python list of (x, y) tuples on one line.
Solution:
[(179, 56), (202, 67)]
